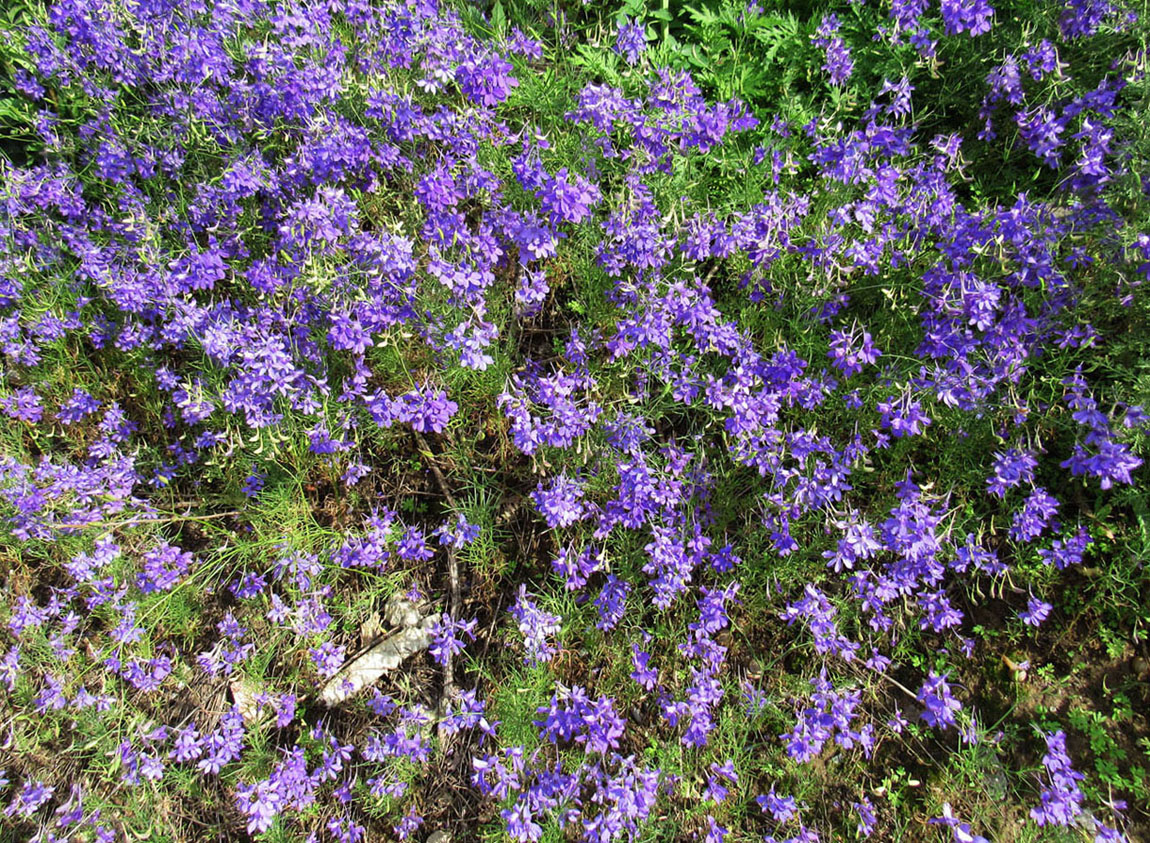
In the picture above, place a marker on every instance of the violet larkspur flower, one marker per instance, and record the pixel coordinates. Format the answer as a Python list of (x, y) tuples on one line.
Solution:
[(328, 658), (261, 803), (486, 80), (1036, 612), (29, 799), (1064, 553), (188, 746), (425, 409), (457, 532), (81, 404), (1042, 129), (1034, 517), (716, 790), (254, 482), (412, 546), (1082, 18), (631, 40), (164, 566), (961, 832), (1061, 799), (24, 405), (852, 350), (408, 825), (715, 832), (1011, 469), (867, 818), (939, 706), (643, 674), (973, 16), (445, 637), (610, 602), (829, 716), (576, 566), (903, 415), (572, 716), (568, 197), (561, 504), (536, 626), (781, 808), (839, 64)]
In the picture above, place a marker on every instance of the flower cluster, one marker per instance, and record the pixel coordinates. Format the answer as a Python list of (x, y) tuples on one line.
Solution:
[(295, 234), (536, 626)]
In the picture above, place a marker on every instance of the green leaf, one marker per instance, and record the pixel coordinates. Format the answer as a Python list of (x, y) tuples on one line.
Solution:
[(701, 17)]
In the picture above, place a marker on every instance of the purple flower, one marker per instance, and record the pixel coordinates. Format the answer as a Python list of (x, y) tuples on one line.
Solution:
[(408, 825), (425, 409), (903, 415), (260, 802), (536, 626), (254, 482), (1064, 553), (1061, 798), (1036, 612), (24, 405), (1041, 128), (852, 350), (716, 791), (29, 799), (1082, 18), (961, 832), (574, 717), (328, 658), (838, 65), (819, 613), (561, 504), (631, 40), (1041, 60), (715, 832), (521, 43), (575, 567), (1112, 463), (781, 808), (1034, 517), (521, 825), (412, 546), (81, 404), (470, 714), (643, 674), (457, 533), (486, 80), (939, 707), (867, 818), (10, 668), (610, 602), (445, 637), (1011, 469), (830, 715), (188, 746), (164, 566), (568, 197), (972, 16)]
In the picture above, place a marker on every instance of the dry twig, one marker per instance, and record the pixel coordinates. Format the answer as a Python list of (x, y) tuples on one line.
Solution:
[(452, 576)]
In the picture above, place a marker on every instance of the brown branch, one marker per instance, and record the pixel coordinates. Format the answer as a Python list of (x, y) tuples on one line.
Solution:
[(453, 582), (132, 522)]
